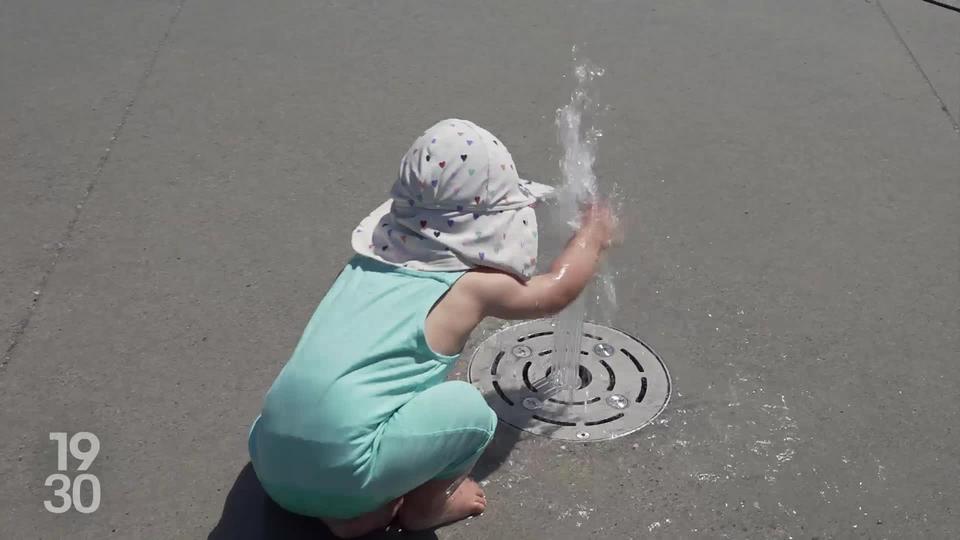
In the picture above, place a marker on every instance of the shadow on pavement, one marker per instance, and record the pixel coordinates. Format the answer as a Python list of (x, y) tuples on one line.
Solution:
[(249, 514), (497, 452)]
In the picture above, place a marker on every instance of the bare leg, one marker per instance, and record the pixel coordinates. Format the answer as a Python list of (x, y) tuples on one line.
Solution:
[(361, 525), (439, 502)]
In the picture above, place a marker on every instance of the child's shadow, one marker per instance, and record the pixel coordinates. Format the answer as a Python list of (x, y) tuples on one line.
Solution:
[(249, 514)]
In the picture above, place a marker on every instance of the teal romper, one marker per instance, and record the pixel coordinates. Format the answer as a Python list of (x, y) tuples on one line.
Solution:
[(362, 412)]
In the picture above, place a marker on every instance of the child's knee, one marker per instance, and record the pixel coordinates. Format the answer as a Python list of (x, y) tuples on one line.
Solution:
[(466, 397)]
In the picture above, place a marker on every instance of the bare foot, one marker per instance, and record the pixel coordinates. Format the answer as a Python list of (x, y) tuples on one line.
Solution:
[(467, 500), (361, 525)]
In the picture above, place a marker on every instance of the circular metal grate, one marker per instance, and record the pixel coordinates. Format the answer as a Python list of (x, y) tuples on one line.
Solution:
[(623, 383)]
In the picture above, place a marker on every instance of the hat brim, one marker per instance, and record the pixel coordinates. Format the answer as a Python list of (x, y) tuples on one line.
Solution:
[(443, 241), (362, 239), (536, 190)]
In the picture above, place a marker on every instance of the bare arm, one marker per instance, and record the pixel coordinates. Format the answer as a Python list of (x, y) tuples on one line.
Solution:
[(503, 296), (489, 293)]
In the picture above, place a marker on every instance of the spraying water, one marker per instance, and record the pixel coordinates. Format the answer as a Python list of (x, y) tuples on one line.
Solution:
[(578, 137), (579, 143)]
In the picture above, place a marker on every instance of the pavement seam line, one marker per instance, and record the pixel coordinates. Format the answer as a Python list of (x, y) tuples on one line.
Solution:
[(24, 323), (916, 64)]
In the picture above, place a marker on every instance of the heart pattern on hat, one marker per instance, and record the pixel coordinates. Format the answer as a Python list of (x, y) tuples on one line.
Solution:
[(473, 206)]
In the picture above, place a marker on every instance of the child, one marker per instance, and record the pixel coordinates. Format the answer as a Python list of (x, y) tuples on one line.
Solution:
[(361, 426)]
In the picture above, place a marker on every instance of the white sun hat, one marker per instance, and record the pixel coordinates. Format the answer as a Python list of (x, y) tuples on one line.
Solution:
[(457, 204)]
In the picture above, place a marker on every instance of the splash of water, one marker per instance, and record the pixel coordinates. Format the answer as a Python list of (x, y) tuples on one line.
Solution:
[(578, 137)]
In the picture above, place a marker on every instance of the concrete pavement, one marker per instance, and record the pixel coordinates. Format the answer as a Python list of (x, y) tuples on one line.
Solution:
[(178, 180)]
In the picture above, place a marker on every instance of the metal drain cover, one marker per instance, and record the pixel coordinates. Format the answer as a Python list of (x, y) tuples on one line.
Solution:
[(623, 383)]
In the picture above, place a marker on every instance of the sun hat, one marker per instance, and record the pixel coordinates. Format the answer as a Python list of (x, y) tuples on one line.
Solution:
[(458, 203)]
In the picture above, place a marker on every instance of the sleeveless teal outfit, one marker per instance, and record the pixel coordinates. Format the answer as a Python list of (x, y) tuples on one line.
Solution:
[(362, 412)]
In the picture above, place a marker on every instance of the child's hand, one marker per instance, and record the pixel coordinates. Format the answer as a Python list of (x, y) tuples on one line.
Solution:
[(600, 224)]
